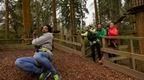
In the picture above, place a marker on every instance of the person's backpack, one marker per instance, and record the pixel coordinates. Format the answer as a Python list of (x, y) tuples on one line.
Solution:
[(91, 36)]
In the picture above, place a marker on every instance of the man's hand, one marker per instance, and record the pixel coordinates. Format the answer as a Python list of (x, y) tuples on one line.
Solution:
[(34, 34), (56, 31)]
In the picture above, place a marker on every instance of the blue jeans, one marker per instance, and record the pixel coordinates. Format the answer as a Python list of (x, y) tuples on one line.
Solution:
[(37, 64)]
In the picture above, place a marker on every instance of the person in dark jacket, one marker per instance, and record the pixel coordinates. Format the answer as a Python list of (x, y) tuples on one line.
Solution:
[(95, 37)]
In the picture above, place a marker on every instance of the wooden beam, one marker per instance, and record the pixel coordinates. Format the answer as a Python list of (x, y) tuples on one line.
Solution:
[(116, 52), (123, 53), (67, 49), (124, 37), (118, 58), (138, 57), (136, 9), (68, 42), (125, 70)]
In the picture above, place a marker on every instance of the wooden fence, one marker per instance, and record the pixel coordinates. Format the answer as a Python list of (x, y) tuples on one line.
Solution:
[(136, 3), (121, 55), (129, 53)]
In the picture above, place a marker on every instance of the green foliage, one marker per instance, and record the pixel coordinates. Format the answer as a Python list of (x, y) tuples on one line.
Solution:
[(80, 11), (109, 10), (15, 19), (41, 12), (64, 12), (12, 35)]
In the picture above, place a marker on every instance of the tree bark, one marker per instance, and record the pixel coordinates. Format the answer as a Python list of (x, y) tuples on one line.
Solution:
[(54, 14), (6, 19), (27, 21), (96, 11), (140, 29), (72, 25)]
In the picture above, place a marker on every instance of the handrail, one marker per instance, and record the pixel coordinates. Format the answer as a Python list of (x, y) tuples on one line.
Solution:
[(10, 39), (69, 42), (121, 54), (124, 37)]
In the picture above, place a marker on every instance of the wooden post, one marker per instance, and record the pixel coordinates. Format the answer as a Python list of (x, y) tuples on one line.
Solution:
[(82, 45), (103, 42), (132, 52)]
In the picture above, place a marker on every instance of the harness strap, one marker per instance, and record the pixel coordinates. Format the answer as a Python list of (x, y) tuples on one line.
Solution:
[(43, 49)]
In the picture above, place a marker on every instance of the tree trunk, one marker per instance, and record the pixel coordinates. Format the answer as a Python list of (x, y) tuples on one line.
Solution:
[(96, 12), (72, 26), (38, 16), (54, 14), (99, 11), (26, 17), (113, 9), (6, 19), (139, 23), (140, 29)]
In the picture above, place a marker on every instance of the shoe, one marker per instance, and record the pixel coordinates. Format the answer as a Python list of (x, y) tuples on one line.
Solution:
[(44, 75), (56, 77)]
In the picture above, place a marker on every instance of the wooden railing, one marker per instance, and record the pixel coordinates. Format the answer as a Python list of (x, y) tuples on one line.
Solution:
[(6, 41), (135, 3), (121, 55), (76, 43), (134, 57)]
